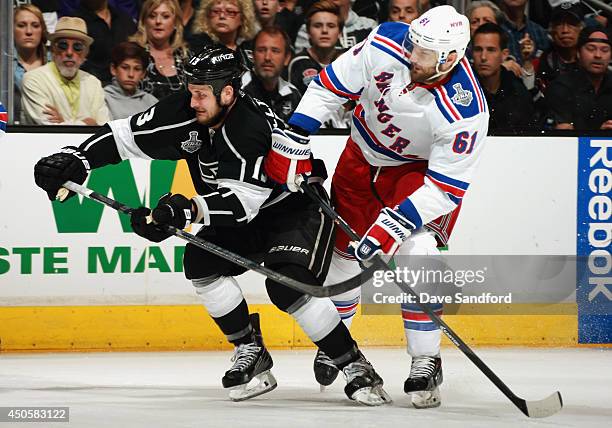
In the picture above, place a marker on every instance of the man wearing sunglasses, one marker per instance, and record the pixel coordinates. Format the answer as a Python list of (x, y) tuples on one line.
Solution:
[(59, 92)]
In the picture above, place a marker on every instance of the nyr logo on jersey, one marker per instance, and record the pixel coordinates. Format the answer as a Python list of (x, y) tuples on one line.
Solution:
[(462, 97), (192, 144)]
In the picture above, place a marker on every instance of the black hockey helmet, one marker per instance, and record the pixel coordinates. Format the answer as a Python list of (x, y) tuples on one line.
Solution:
[(217, 66)]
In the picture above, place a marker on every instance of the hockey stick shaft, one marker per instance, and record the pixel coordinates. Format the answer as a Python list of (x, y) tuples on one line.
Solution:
[(312, 290), (532, 410)]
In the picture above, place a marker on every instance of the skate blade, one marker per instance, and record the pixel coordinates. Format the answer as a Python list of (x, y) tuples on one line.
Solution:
[(372, 396), (322, 388), (260, 384), (426, 399)]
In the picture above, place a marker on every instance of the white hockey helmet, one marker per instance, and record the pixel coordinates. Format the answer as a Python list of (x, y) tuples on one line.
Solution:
[(442, 30)]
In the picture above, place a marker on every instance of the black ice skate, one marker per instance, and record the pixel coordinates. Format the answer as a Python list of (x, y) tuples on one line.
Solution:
[(422, 384), (363, 384), (325, 370), (250, 375)]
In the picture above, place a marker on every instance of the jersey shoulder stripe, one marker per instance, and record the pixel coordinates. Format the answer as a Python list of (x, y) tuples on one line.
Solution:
[(389, 38), (459, 97), (454, 189), (395, 31), (328, 79)]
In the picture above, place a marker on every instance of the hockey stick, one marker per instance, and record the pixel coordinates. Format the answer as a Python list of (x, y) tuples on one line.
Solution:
[(533, 409), (312, 290)]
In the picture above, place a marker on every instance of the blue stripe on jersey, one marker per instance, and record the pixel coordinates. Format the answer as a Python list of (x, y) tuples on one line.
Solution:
[(450, 181), (395, 31), (441, 106), (460, 84), (390, 52), (382, 150), (305, 122), (410, 212), (332, 76)]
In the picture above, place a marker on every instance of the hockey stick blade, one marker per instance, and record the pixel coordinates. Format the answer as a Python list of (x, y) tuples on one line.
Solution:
[(312, 290), (533, 409), (543, 408)]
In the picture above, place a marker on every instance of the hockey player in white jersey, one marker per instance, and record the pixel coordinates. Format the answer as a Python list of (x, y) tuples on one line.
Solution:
[(417, 134)]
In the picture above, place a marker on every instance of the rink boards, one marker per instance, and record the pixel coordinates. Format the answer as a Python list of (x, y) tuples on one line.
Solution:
[(74, 277)]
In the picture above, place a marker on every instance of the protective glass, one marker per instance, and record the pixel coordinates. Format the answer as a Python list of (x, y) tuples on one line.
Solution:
[(417, 55), (63, 45)]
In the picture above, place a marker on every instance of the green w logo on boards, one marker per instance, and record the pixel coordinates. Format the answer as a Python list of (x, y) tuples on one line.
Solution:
[(84, 216)]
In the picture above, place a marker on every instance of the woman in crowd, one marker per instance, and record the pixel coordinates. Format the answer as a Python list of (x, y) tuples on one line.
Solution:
[(30, 35), (229, 22), (160, 32)]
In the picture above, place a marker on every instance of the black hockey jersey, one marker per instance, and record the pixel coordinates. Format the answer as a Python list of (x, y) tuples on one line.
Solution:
[(226, 164)]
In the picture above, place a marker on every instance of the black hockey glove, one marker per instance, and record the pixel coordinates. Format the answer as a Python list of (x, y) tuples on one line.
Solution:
[(51, 172), (141, 227), (174, 210)]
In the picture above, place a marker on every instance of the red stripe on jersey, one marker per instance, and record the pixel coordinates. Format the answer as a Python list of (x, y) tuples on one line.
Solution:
[(397, 48), (456, 191), (324, 78), (470, 74), (446, 101)]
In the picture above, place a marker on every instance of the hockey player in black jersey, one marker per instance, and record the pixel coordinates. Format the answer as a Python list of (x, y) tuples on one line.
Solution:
[(224, 135)]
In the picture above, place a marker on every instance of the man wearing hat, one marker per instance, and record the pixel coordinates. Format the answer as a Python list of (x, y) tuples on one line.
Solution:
[(565, 24), (582, 100), (59, 92)]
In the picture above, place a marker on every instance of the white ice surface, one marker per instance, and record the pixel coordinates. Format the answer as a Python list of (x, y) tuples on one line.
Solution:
[(183, 389)]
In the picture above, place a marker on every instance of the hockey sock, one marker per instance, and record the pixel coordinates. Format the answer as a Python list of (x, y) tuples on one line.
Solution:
[(236, 325), (422, 335), (222, 298), (342, 269), (339, 346)]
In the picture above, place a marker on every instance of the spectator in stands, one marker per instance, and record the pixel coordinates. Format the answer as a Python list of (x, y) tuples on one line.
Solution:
[(565, 26), (108, 27), (160, 32), (510, 104), (482, 11), (356, 28), (123, 96), (59, 92), (188, 19), (271, 55), (527, 38), (582, 100), (229, 22), (30, 37), (404, 10), (269, 13), (324, 25)]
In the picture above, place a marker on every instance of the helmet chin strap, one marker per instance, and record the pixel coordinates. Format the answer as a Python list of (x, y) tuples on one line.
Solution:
[(441, 73)]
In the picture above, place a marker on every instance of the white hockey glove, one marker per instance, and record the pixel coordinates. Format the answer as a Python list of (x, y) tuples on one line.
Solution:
[(385, 236), (288, 159)]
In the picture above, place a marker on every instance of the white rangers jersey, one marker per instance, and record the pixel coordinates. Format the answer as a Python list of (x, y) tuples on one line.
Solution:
[(396, 121)]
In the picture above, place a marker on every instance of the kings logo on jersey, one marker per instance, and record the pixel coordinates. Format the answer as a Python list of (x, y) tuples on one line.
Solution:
[(462, 97), (192, 144)]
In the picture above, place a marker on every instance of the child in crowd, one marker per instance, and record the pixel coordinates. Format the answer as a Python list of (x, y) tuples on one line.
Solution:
[(123, 96)]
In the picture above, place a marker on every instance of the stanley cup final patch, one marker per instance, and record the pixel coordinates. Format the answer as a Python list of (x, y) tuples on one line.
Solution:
[(192, 144), (462, 97)]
